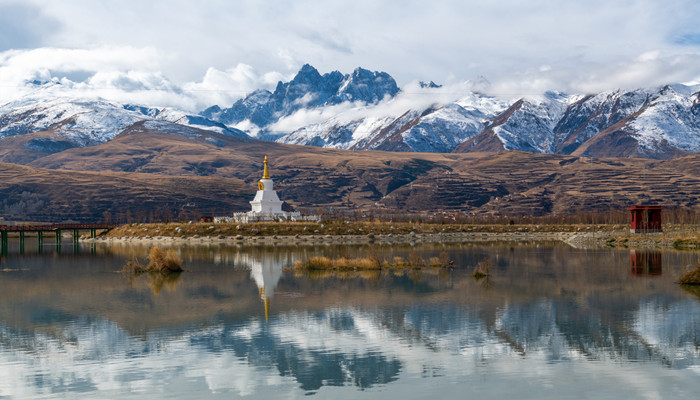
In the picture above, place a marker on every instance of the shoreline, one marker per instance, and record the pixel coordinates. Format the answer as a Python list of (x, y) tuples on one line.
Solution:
[(679, 237), (292, 240)]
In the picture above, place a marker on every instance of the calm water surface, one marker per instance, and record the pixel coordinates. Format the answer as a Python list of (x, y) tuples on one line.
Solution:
[(550, 322)]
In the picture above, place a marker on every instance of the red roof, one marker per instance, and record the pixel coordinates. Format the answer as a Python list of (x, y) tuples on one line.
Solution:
[(645, 208)]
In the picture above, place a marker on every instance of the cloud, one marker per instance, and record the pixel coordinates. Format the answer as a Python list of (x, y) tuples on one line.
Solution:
[(411, 98), (649, 69), (24, 26), (418, 40), (225, 87), (104, 72), (124, 74), (199, 54)]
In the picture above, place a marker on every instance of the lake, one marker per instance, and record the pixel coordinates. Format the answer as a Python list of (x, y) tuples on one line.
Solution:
[(550, 322)]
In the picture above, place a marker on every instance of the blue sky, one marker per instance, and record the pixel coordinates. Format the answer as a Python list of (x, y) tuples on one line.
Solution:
[(212, 52)]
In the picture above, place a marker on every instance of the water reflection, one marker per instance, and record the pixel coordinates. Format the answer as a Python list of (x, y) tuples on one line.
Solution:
[(554, 317), (266, 272), (645, 262)]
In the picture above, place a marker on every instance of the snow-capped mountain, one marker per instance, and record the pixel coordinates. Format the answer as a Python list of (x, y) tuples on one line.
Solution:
[(653, 122), (366, 110), (82, 122), (434, 128), (650, 123), (527, 125), (308, 90), (88, 122)]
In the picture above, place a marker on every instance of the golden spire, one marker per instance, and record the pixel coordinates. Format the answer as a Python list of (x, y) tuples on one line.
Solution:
[(266, 173)]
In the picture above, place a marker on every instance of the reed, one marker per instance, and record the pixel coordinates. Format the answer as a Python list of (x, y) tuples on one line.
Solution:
[(371, 263), (343, 263), (163, 260), (159, 260)]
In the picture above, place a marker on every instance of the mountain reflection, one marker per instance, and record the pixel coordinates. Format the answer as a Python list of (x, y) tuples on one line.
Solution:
[(338, 333)]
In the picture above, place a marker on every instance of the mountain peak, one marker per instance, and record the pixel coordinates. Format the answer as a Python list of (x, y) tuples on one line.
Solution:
[(307, 74), (429, 85)]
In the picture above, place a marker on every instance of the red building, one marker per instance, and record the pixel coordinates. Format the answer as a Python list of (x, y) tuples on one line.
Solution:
[(645, 219)]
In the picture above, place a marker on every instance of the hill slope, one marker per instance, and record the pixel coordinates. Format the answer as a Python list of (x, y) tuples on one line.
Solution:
[(164, 166)]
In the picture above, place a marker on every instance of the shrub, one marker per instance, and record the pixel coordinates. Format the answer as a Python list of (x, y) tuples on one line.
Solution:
[(691, 277), (163, 261)]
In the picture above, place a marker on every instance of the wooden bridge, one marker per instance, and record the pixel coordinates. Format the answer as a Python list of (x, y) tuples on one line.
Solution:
[(56, 229)]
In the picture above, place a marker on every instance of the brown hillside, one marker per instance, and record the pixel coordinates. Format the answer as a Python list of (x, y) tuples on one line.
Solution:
[(144, 170), (52, 195)]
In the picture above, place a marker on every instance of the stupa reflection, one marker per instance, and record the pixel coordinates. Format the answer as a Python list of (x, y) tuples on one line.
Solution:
[(266, 270)]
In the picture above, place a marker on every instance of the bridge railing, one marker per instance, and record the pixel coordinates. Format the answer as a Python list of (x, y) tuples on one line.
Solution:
[(53, 227)]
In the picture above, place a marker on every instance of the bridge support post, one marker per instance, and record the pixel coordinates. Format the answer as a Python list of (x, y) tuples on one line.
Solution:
[(76, 243), (21, 242), (58, 240), (3, 242), (93, 233), (40, 241)]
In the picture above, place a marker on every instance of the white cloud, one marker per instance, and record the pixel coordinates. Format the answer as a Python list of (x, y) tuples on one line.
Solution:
[(411, 97), (225, 87), (198, 54), (420, 40), (649, 69), (125, 74)]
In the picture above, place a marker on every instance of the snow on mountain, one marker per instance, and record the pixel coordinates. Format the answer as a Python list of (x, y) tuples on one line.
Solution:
[(88, 122), (197, 121), (670, 117), (651, 123), (82, 122), (308, 90), (531, 126), (435, 128), (592, 114), (365, 110)]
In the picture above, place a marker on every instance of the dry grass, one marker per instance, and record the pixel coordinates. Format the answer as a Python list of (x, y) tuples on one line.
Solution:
[(371, 263), (159, 260), (482, 270), (164, 260), (157, 281), (344, 263), (691, 277)]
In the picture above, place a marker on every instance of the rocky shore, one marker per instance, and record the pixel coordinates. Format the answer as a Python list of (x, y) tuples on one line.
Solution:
[(290, 240), (585, 236)]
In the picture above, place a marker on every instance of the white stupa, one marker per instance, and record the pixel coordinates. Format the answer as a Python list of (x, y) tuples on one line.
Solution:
[(266, 200), (266, 206)]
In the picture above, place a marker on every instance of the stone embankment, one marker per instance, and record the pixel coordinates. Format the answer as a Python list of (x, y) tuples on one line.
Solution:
[(581, 236), (291, 240)]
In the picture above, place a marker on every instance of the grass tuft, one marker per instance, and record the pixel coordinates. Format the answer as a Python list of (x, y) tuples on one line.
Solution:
[(160, 260), (371, 263), (691, 277), (344, 263), (482, 270)]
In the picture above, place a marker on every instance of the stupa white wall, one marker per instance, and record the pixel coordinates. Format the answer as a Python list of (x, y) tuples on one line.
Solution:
[(266, 206)]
